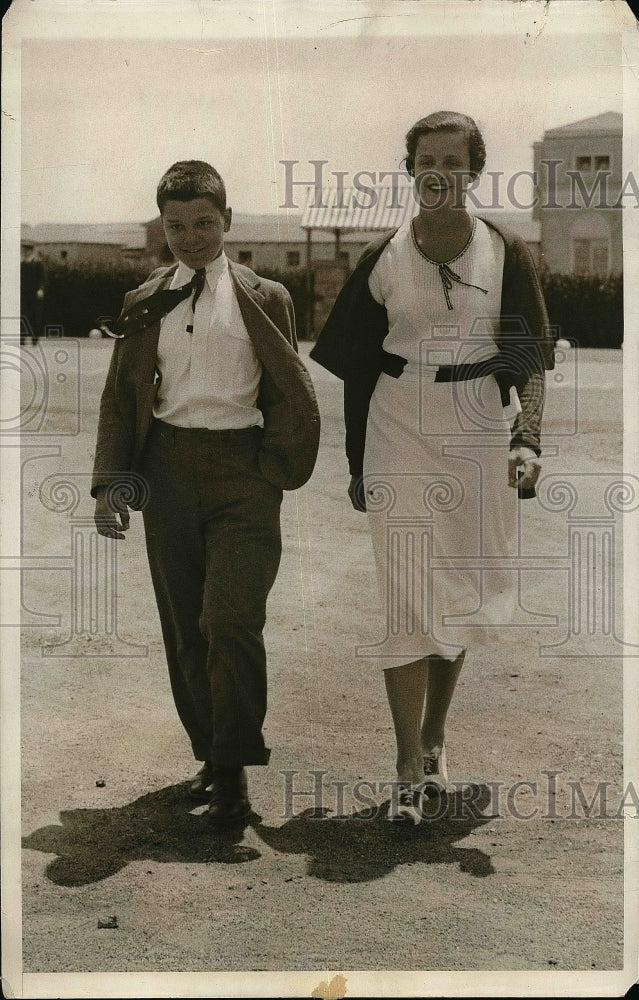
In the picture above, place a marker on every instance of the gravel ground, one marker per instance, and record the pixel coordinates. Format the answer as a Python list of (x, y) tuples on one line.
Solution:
[(318, 883)]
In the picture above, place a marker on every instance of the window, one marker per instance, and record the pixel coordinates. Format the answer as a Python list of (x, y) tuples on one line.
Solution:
[(292, 258), (245, 256), (602, 163), (583, 163), (599, 252), (590, 256)]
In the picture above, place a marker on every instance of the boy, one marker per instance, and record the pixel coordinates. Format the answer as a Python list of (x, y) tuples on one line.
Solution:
[(207, 401)]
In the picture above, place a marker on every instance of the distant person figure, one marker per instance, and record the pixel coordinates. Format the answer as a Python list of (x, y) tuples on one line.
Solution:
[(440, 320), (208, 400), (33, 282)]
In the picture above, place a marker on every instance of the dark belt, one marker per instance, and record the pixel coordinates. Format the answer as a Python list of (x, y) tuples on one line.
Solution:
[(393, 365), (175, 433)]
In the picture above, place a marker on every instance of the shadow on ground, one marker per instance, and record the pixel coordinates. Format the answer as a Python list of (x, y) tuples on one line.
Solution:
[(364, 846), (162, 826), (93, 844)]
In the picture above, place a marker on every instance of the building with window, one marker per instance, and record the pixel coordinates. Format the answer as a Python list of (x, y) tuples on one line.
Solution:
[(578, 169)]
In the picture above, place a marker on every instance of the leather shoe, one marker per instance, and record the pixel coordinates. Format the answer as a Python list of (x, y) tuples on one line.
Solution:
[(405, 804), (229, 802), (435, 773), (200, 786)]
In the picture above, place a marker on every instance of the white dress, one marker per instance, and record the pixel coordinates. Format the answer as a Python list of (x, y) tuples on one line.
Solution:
[(441, 514)]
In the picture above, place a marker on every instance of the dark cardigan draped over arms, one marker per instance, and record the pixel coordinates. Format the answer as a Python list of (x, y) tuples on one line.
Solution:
[(350, 344)]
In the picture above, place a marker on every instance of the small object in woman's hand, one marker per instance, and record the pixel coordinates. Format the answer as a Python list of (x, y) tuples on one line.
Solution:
[(523, 468)]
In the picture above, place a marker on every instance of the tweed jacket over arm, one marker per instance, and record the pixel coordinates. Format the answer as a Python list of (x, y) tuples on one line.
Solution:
[(350, 344)]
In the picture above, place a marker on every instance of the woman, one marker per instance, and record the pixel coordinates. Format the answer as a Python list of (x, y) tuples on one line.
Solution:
[(440, 327)]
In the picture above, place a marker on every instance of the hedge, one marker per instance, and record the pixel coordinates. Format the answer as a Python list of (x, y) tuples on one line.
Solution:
[(585, 308), (77, 297)]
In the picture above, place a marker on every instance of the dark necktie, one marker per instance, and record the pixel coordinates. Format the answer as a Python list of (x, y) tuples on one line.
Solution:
[(157, 306), (197, 284)]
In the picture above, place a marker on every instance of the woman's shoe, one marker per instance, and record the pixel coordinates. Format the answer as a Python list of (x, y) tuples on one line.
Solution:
[(405, 804), (435, 773)]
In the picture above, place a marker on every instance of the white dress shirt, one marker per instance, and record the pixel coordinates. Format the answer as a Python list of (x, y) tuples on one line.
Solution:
[(209, 377)]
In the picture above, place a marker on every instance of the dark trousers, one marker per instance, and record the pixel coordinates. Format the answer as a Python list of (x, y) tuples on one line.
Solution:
[(213, 540), (31, 312)]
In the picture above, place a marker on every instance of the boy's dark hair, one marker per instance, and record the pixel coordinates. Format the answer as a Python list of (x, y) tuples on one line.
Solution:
[(447, 121), (188, 179)]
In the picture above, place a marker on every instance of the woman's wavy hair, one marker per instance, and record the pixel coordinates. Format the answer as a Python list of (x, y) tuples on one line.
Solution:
[(447, 121)]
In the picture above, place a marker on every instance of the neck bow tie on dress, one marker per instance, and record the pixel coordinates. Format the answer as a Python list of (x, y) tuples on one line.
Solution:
[(448, 276), (154, 308)]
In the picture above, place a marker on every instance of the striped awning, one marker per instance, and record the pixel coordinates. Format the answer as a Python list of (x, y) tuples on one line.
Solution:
[(350, 209)]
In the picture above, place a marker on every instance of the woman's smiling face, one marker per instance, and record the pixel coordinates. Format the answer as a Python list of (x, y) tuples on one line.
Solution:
[(442, 169)]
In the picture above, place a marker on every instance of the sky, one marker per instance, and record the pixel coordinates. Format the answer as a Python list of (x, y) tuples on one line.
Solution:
[(103, 117)]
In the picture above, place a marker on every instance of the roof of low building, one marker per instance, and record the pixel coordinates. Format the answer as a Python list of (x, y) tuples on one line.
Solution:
[(276, 228), (368, 209), (608, 123), (262, 228), (129, 235)]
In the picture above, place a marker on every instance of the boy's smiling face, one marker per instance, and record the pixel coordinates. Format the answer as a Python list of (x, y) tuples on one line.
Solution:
[(195, 230)]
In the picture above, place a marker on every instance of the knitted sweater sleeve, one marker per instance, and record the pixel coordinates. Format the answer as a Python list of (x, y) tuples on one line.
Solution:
[(525, 341)]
